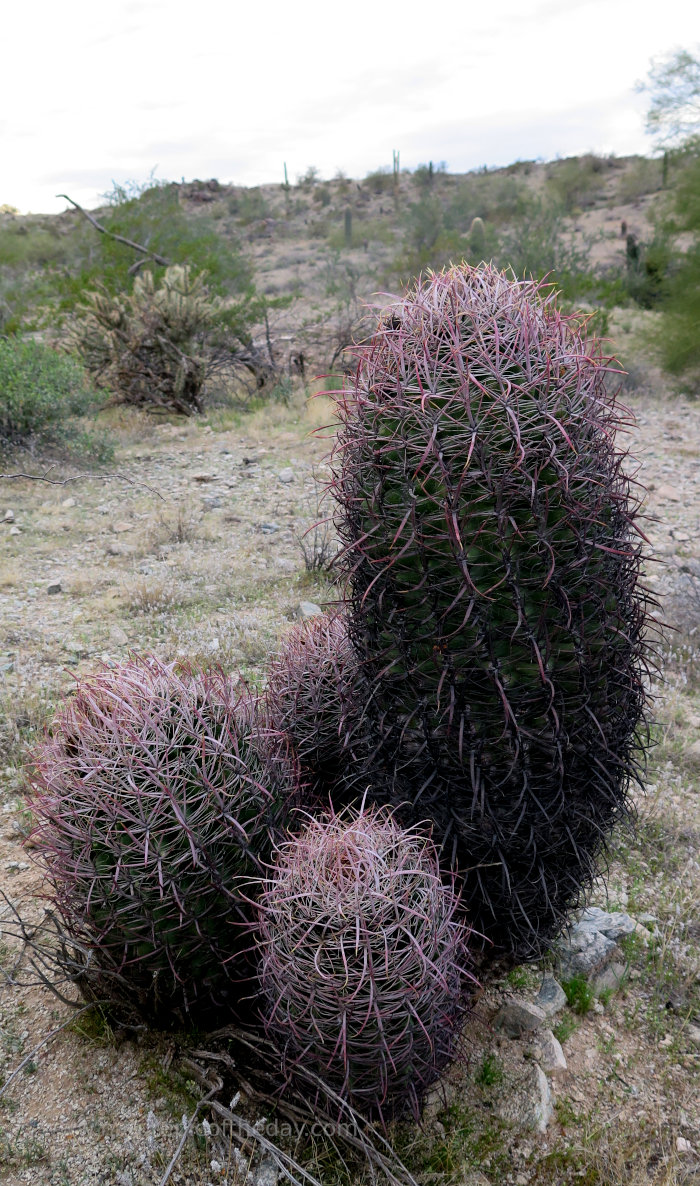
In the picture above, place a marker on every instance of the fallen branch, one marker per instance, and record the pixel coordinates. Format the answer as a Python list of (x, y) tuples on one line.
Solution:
[(145, 251), (77, 477)]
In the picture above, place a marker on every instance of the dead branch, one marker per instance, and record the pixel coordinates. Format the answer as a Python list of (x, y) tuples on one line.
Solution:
[(145, 251), (77, 477)]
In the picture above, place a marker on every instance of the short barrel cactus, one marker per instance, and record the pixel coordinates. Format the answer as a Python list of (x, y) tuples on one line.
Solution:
[(153, 797), (364, 959), (311, 698), (493, 558)]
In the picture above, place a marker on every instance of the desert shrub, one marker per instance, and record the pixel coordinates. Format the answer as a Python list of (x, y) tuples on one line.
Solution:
[(575, 182), (150, 346), (494, 598), (380, 181), (644, 176), (679, 341), (153, 796), (41, 392), (495, 197), (364, 959)]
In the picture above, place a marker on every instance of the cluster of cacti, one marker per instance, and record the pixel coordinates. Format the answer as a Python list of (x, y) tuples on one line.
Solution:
[(154, 798), (496, 610), (486, 682), (364, 958)]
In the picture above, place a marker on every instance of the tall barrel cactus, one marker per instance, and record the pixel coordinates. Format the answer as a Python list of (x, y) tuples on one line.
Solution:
[(496, 609)]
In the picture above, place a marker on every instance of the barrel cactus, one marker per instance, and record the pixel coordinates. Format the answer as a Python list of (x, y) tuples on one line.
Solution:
[(310, 697), (153, 797), (493, 559), (364, 958)]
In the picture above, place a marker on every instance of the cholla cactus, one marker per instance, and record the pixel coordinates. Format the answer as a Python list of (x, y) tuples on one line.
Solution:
[(496, 607), (153, 798), (364, 959), (312, 697), (148, 346)]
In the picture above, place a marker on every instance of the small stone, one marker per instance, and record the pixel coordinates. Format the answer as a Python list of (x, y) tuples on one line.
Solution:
[(269, 528), (203, 477), (286, 475), (118, 637), (53, 587), (585, 951), (68, 503), (518, 1016), (549, 1054), (668, 493), (307, 609), (609, 979), (114, 549), (693, 1034), (666, 1041), (680, 536), (683, 1145), (15, 531), (9, 516), (267, 1173), (119, 528), (526, 1102), (551, 998), (613, 924), (693, 750), (212, 501)]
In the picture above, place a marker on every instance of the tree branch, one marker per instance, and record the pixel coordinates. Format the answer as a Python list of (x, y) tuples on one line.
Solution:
[(145, 251)]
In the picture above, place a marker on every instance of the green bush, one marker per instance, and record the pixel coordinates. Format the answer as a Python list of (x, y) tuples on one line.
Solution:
[(679, 339), (40, 392)]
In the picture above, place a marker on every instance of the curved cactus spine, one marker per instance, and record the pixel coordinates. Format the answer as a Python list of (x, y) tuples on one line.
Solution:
[(493, 560), (364, 959)]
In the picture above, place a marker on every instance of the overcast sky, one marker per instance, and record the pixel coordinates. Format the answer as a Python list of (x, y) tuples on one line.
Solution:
[(92, 91)]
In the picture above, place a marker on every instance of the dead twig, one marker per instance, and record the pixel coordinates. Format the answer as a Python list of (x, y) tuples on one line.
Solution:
[(145, 251), (78, 477)]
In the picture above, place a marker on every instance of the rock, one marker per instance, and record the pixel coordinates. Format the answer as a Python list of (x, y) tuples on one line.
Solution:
[(474, 1178), (68, 503), (609, 979), (585, 951), (113, 549), (680, 536), (15, 531), (549, 1054), (551, 998), (286, 475), (668, 493), (518, 1016), (613, 925), (212, 501), (269, 528), (307, 609), (693, 1034), (683, 1145), (53, 587), (526, 1101), (9, 516), (119, 528), (202, 478), (693, 750), (118, 637), (266, 1174)]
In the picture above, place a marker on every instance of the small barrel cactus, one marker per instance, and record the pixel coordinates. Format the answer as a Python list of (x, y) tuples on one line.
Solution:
[(153, 797), (310, 697), (364, 959), (495, 601)]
